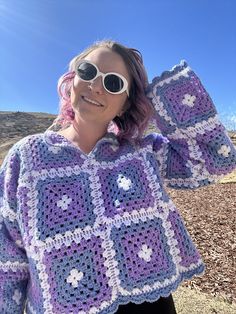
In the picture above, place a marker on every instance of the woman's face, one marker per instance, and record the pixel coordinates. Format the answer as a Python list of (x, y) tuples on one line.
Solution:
[(81, 92)]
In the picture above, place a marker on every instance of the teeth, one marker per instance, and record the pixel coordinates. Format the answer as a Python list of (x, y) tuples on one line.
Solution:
[(92, 101)]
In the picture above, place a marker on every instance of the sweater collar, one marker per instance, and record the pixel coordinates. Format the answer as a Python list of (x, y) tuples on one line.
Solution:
[(58, 140)]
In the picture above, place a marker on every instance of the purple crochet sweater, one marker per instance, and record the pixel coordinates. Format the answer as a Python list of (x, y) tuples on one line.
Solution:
[(84, 233)]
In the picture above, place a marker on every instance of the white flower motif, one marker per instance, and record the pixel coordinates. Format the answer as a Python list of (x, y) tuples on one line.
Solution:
[(64, 202), (145, 253), (224, 150), (74, 277), (17, 296), (189, 100), (54, 150), (123, 182)]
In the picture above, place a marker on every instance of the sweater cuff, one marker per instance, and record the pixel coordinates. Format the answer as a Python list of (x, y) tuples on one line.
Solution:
[(179, 99)]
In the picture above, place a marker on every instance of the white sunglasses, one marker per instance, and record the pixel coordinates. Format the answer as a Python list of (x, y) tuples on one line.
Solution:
[(114, 83)]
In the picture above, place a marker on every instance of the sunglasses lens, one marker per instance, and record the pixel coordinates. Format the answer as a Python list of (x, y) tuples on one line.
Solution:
[(113, 83), (86, 71)]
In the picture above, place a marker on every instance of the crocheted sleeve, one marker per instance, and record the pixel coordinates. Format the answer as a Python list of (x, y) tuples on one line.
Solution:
[(195, 149), (13, 260)]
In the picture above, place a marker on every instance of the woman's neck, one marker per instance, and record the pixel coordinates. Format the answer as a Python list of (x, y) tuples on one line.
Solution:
[(83, 136)]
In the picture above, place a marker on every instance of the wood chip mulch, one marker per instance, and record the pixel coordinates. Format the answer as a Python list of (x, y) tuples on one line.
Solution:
[(210, 217)]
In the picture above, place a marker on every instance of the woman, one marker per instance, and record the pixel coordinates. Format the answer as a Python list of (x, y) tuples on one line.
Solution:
[(86, 224)]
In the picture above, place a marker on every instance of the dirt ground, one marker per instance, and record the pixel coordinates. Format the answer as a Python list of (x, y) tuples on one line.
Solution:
[(209, 215)]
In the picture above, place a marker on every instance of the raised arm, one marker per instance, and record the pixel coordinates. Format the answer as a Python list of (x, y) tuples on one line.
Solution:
[(195, 149)]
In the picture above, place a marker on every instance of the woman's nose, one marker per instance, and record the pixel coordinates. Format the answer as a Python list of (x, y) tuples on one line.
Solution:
[(97, 85)]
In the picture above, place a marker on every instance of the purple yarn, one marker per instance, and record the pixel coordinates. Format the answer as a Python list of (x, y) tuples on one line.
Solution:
[(88, 232)]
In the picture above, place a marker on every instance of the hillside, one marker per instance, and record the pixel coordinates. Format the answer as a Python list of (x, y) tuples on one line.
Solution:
[(16, 125)]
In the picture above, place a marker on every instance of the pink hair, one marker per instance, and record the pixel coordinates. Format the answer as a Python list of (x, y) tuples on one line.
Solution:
[(138, 109)]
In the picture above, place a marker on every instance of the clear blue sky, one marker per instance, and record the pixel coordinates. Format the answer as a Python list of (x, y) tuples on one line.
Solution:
[(39, 38)]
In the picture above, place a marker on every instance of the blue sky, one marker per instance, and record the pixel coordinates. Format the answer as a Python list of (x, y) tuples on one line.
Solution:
[(39, 38)]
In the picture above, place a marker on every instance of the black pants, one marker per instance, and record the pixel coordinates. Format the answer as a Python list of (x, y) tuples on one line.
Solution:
[(161, 306)]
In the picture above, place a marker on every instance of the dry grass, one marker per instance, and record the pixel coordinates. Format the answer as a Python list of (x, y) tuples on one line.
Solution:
[(188, 301), (230, 178)]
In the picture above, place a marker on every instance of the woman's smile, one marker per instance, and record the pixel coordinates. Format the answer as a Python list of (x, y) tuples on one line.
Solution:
[(91, 101)]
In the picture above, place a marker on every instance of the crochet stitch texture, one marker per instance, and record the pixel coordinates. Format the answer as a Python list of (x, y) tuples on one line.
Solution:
[(82, 233)]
